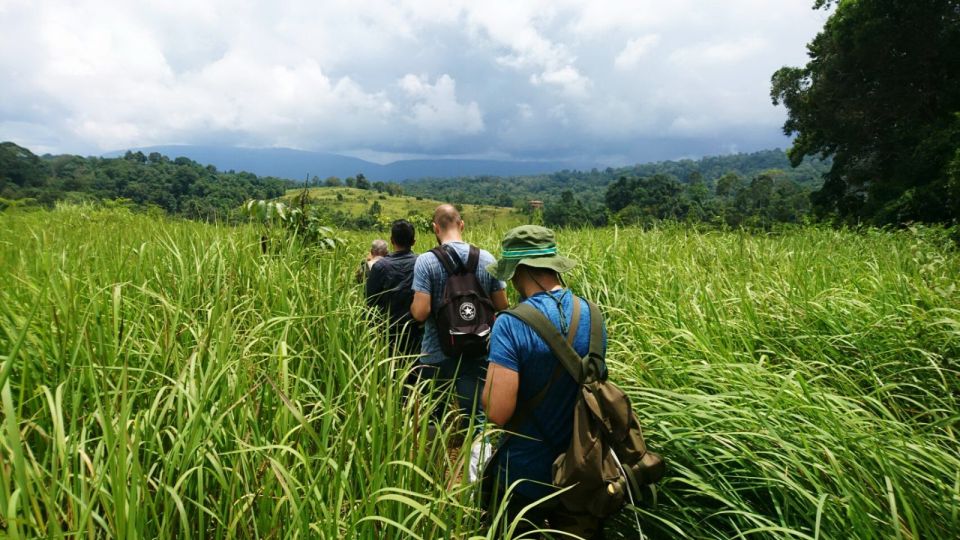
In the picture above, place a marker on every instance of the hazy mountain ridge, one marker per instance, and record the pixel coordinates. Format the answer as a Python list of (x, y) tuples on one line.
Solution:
[(298, 165)]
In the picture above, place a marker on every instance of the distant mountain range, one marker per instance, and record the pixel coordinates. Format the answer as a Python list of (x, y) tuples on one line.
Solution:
[(298, 164)]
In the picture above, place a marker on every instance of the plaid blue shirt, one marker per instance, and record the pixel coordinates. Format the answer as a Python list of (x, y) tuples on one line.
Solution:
[(430, 277)]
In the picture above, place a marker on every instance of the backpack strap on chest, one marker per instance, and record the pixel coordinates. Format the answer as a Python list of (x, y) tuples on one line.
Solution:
[(525, 409), (545, 329), (583, 369)]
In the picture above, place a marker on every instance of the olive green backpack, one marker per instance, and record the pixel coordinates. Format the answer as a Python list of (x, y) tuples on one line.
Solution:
[(607, 455)]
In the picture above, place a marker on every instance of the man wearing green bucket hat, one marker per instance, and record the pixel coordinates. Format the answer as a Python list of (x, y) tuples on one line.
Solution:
[(527, 390)]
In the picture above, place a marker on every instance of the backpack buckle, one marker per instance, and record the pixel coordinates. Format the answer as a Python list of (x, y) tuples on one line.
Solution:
[(593, 368)]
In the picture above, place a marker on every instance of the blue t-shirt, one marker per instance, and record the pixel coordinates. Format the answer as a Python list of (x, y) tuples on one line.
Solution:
[(430, 277), (517, 347)]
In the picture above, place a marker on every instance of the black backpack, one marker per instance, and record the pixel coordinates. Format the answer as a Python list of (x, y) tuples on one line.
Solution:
[(466, 312)]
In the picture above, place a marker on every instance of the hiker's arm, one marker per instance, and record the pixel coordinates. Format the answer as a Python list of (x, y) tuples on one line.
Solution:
[(499, 299), (374, 284), (500, 393), (422, 280), (420, 308)]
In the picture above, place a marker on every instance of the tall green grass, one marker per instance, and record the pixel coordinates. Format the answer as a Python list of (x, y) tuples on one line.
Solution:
[(165, 378)]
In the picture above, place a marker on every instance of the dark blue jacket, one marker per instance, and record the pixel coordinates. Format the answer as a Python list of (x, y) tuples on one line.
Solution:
[(389, 288)]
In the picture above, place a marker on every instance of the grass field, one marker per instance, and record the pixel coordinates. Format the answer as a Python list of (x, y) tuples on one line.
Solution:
[(357, 201), (163, 378)]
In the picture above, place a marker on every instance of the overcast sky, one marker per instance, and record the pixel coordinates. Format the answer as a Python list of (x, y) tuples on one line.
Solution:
[(612, 82)]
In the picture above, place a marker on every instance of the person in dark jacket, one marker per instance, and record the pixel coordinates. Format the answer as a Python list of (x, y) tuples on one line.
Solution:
[(389, 288)]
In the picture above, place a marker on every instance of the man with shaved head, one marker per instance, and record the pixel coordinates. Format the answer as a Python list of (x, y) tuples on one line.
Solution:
[(445, 217), (429, 280)]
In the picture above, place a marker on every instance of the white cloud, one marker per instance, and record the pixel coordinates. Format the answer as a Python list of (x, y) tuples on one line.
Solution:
[(567, 78), (517, 27), (604, 18), (635, 50), (435, 109), (395, 77), (732, 51)]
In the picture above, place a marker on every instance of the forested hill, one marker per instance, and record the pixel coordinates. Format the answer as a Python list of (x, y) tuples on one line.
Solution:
[(756, 189), (590, 187), (179, 186)]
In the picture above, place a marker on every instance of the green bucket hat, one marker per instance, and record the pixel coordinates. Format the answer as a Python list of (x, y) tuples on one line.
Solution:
[(530, 245)]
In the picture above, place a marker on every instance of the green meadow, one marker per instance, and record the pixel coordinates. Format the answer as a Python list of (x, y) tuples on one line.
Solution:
[(355, 202), (163, 378)]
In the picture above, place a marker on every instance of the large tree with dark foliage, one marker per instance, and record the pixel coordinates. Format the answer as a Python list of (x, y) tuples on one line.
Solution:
[(569, 211), (881, 95)]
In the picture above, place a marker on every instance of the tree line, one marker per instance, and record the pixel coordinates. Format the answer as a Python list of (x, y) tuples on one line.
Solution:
[(590, 186), (736, 190), (732, 200), (179, 186), (359, 181), (755, 189)]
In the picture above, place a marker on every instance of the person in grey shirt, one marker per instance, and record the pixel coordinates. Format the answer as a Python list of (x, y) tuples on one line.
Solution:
[(429, 279)]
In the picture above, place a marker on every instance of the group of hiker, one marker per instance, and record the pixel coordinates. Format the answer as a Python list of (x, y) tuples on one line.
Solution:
[(537, 370)]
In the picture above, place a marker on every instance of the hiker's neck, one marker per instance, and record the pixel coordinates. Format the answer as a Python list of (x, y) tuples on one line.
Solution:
[(453, 234), (527, 287), (400, 249)]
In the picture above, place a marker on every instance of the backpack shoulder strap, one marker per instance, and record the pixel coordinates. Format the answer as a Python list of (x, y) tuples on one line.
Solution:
[(554, 339), (594, 366), (583, 369), (525, 409), (444, 259), (574, 321), (473, 260)]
